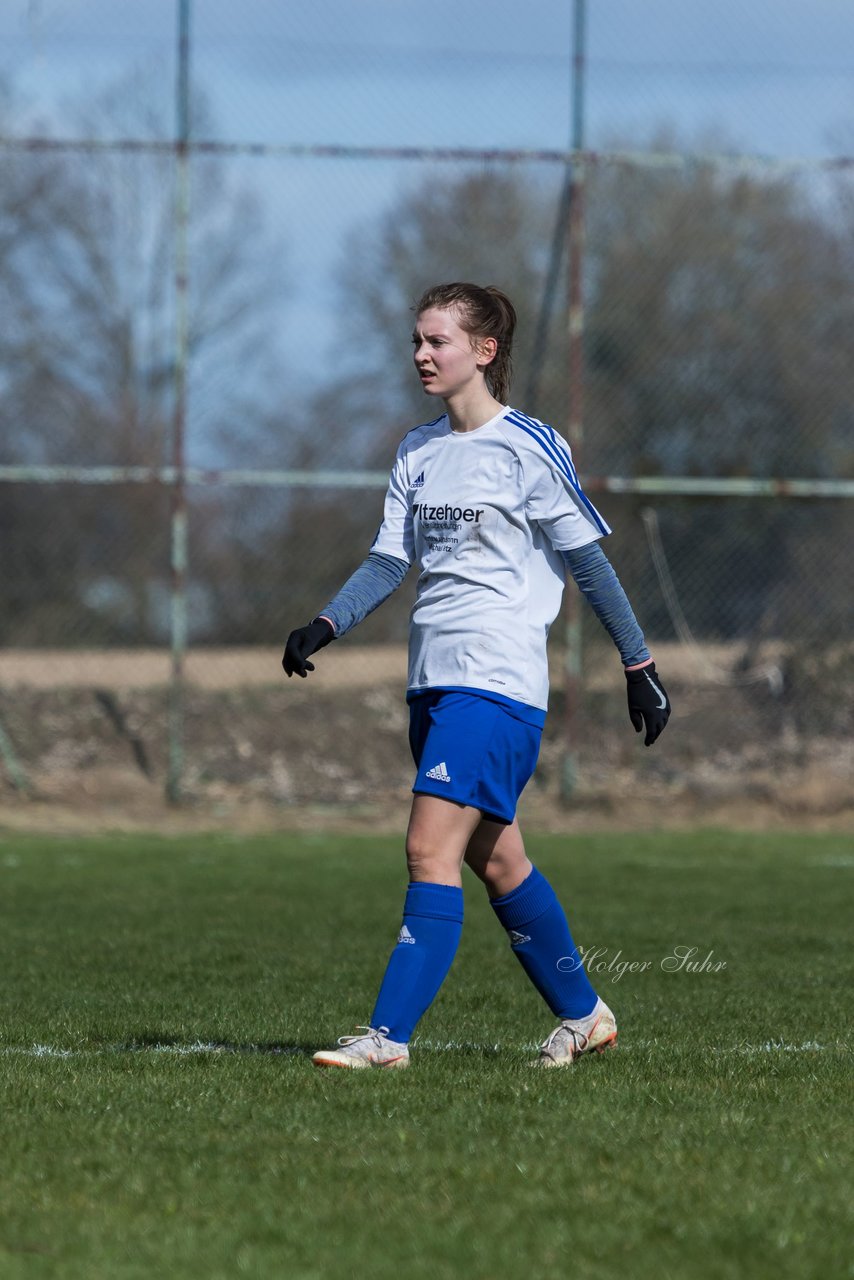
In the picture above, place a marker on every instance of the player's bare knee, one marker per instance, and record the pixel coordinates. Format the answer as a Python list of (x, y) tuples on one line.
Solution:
[(425, 861), (418, 852), (433, 871), (504, 872), (477, 858), (494, 874)]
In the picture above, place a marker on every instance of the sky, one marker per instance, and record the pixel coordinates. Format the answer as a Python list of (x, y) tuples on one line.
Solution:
[(776, 74), (768, 76)]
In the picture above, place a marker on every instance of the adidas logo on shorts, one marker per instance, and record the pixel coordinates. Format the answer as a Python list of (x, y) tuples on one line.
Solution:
[(439, 773)]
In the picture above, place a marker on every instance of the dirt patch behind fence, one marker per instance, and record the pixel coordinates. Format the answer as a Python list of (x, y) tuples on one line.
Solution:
[(263, 753)]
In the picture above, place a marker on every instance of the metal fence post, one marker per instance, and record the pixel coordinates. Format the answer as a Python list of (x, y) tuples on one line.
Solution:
[(178, 542), (575, 357)]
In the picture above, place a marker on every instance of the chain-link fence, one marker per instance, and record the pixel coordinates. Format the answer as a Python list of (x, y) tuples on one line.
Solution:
[(231, 376)]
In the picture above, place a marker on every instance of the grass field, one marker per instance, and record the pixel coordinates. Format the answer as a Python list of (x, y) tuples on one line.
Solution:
[(160, 1116)]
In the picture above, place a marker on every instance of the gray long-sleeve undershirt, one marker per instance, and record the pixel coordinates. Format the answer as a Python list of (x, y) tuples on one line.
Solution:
[(372, 583), (597, 581), (379, 575)]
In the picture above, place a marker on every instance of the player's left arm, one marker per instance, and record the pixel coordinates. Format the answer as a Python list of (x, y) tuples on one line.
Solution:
[(555, 501), (593, 573)]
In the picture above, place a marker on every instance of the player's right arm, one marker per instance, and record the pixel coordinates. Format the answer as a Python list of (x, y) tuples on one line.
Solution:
[(372, 583), (376, 578)]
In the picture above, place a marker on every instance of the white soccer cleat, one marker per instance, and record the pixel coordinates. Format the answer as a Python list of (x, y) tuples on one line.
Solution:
[(572, 1038), (370, 1049)]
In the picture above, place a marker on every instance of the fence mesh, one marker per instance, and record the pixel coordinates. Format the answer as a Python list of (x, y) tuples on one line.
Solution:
[(719, 302)]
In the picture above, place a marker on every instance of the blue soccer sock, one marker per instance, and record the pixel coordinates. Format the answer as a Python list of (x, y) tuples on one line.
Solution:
[(417, 967), (540, 938)]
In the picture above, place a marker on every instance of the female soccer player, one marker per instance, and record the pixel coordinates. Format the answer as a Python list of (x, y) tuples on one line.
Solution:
[(487, 502)]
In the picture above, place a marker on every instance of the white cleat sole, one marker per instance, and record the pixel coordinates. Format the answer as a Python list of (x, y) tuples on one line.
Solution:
[(346, 1063)]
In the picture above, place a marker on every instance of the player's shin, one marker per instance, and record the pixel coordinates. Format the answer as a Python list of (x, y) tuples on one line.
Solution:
[(542, 943), (426, 946)]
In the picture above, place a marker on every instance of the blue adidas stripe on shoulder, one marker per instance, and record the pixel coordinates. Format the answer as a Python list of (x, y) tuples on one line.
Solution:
[(423, 425), (554, 448), (549, 441)]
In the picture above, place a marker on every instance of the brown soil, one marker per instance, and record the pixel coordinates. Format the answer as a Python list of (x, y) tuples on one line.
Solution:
[(266, 754)]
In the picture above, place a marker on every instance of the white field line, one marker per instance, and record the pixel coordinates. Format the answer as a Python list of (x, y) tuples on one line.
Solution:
[(432, 1046), (770, 1046)]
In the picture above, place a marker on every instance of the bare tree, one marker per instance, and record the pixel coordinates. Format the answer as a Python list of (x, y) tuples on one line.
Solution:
[(718, 311), (88, 367), (719, 308)]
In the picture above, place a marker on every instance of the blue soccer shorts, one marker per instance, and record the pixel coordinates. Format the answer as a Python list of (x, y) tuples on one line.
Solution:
[(473, 750)]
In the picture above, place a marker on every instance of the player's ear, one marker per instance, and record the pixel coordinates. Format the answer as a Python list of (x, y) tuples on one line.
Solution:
[(486, 349)]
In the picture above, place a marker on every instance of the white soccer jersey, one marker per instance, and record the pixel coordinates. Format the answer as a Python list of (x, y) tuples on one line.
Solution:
[(485, 515)]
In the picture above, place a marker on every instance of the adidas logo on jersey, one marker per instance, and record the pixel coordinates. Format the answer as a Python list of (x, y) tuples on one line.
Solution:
[(516, 939), (439, 773), (418, 482), (405, 936)]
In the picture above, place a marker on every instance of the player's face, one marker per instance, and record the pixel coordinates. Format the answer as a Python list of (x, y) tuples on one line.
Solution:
[(445, 356)]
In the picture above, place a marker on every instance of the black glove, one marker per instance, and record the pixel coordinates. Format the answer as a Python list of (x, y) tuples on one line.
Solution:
[(648, 702), (302, 643)]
